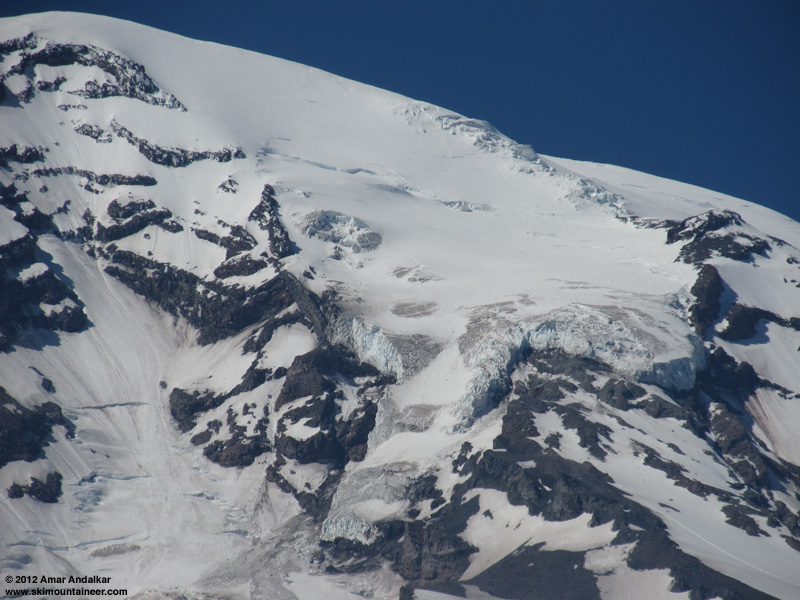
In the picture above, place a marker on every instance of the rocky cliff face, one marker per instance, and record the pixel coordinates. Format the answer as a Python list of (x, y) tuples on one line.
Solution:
[(434, 401)]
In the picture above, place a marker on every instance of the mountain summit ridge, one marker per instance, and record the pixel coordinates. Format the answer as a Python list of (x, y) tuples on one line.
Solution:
[(364, 344)]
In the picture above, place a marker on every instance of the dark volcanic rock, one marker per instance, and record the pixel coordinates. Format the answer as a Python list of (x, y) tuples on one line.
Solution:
[(724, 374), (21, 300), (560, 489), (432, 551), (23, 43), (535, 573), (739, 516), (310, 373), (98, 134), (322, 447), (619, 394), (306, 377), (184, 407), (24, 433), (171, 226), (48, 386), (51, 86), (240, 267), (707, 291), (119, 212), (319, 412), (20, 154), (659, 408), (354, 433), (124, 77), (93, 178), (47, 491), (10, 196), (260, 339), (236, 453), (202, 437), (688, 573), (35, 220), (743, 322), (429, 554), (703, 238), (215, 309), (173, 157), (265, 215), (18, 252), (134, 224), (229, 186), (238, 241), (677, 473)]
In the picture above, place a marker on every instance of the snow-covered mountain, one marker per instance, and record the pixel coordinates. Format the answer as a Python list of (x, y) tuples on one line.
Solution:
[(270, 333)]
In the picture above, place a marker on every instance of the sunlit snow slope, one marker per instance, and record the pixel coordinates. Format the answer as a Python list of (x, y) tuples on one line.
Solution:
[(269, 333)]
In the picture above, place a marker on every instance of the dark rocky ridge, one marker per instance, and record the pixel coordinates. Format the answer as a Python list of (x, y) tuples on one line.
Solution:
[(216, 310), (10, 196), (265, 215), (702, 237), (98, 134), (173, 157), (318, 374), (559, 489), (743, 322), (309, 374), (707, 290), (127, 78), (23, 43), (130, 219), (236, 242), (239, 266), (90, 177)]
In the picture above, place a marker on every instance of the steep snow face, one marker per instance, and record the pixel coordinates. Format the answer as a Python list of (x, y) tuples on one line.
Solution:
[(359, 342)]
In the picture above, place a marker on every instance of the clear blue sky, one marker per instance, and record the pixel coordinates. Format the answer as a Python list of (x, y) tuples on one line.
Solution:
[(706, 92)]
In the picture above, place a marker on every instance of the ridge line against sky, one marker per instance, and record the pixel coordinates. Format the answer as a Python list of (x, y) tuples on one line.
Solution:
[(704, 92)]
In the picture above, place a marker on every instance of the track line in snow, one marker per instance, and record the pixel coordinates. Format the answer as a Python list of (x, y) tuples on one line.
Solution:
[(725, 552)]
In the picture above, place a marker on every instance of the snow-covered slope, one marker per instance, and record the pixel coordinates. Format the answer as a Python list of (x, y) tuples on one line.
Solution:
[(270, 333)]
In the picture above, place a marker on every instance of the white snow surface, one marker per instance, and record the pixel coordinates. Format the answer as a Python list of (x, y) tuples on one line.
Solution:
[(485, 249)]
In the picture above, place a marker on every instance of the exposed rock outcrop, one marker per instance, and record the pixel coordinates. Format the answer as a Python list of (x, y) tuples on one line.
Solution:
[(21, 154), (24, 433), (707, 291), (265, 215), (216, 310), (173, 157), (47, 491), (705, 235), (124, 76)]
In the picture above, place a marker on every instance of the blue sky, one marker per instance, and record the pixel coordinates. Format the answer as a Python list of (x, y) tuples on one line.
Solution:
[(706, 92)]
